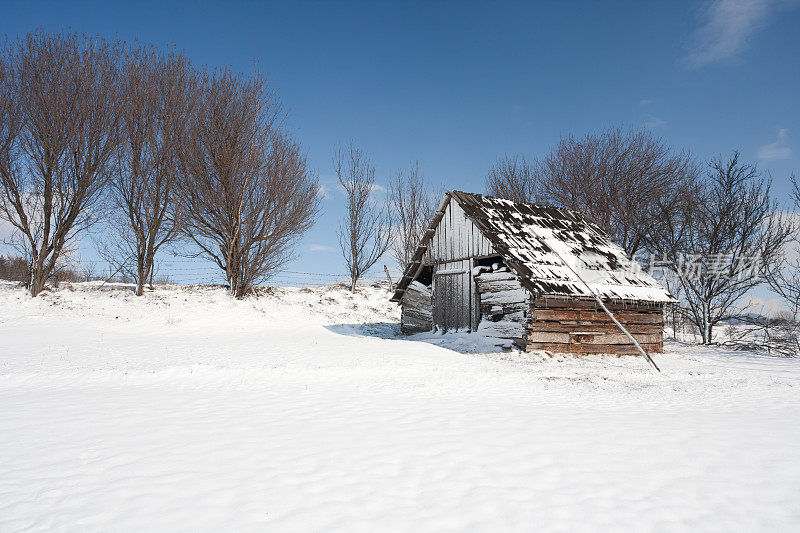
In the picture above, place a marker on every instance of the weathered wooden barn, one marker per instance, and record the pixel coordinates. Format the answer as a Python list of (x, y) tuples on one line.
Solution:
[(525, 274)]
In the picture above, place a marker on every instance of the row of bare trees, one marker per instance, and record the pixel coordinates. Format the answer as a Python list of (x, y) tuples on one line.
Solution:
[(159, 150), (714, 229)]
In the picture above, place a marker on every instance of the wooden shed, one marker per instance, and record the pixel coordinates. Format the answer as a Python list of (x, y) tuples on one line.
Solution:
[(528, 274)]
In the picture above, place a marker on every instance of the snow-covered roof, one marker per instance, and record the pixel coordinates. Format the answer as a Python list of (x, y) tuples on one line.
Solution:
[(536, 241)]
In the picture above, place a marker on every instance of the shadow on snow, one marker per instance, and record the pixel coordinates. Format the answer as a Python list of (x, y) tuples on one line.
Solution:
[(458, 341)]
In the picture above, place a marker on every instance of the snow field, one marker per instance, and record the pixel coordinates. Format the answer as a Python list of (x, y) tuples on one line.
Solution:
[(302, 410)]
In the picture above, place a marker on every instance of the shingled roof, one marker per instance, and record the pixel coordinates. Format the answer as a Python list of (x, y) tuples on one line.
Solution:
[(533, 239)]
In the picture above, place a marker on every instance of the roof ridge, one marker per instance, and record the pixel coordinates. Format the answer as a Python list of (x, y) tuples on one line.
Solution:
[(531, 204)]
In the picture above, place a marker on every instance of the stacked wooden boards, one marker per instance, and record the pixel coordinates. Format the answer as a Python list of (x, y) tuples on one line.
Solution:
[(503, 304), (565, 325), (417, 309)]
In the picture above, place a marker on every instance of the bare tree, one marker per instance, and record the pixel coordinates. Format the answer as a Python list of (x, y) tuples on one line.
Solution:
[(618, 178), (783, 275), (156, 93), (412, 206), (64, 89), (735, 235), (248, 192), (514, 178), (365, 234)]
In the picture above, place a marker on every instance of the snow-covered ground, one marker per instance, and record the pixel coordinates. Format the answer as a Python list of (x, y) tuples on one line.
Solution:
[(302, 409)]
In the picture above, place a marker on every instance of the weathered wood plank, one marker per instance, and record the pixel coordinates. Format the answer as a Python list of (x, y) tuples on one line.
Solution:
[(507, 329), (417, 297), (577, 303), (488, 277), (559, 327), (505, 297), (613, 338), (544, 336), (490, 308), (618, 349), (596, 316), (411, 322), (498, 286), (592, 338)]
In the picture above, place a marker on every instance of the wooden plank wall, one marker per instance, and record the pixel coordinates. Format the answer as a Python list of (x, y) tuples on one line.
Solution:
[(452, 248), (452, 295), (456, 238), (579, 326)]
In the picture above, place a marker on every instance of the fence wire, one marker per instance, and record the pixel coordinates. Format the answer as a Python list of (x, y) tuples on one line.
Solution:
[(187, 271)]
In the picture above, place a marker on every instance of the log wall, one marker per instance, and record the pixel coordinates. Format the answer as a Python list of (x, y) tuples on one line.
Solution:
[(581, 326), (416, 312), (504, 304)]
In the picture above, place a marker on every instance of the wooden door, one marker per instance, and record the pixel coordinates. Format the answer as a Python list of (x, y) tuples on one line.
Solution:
[(453, 296)]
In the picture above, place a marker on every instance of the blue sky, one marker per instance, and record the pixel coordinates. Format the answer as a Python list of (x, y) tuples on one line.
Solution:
[(457, 84)]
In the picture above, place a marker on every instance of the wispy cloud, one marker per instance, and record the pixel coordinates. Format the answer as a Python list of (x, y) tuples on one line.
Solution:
[(654, 122), (320, 248), (778, 149), (645, 101), (324, 192), (375, 188), (726, 28)]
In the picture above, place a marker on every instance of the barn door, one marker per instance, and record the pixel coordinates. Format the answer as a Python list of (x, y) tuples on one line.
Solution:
[(453, 296)]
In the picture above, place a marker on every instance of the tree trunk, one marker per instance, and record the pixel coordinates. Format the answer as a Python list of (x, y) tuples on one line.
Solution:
[(38, 277), (140, 276), (706, 329), (236, 284), (37, 284)]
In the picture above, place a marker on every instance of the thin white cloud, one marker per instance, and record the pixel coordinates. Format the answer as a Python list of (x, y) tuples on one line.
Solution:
[(727, 27), (778, 149), (645, 101), (320, 248), (324, 192), (654, 122), (374, 188)]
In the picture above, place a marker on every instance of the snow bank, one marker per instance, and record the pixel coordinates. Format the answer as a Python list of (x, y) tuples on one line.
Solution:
[(302, 409)]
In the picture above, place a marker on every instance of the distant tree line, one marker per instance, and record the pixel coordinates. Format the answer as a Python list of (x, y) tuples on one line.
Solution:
[(136, 137)]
